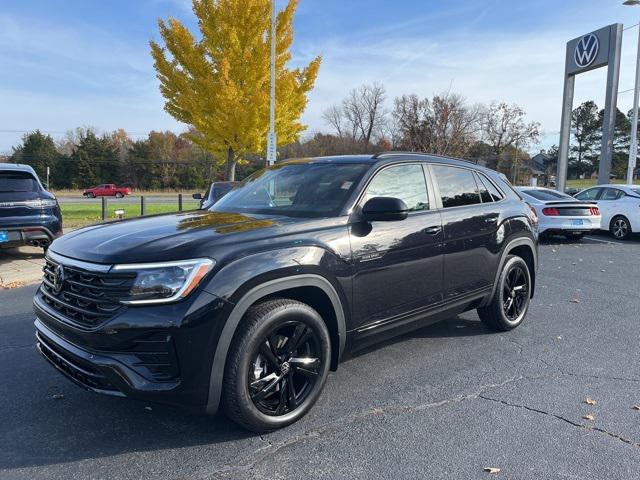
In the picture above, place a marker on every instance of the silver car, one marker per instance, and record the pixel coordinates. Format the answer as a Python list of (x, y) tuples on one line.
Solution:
[(561, 214)]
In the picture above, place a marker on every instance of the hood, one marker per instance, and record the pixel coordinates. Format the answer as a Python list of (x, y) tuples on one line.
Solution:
[(164, 237)]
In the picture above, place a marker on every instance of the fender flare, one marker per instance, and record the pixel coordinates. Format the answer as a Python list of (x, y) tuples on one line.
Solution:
[(253, 295), (503, 257)]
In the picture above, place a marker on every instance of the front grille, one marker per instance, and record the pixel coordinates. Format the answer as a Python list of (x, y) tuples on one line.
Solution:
[(84, 298)]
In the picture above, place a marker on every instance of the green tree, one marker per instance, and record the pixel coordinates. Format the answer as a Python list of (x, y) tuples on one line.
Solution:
[(95, 160), (219, 83), (621, 139), (37, 150), (585, 125)]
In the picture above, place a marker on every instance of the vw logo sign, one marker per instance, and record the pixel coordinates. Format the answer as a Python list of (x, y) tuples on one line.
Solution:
[(586, 50), (58, 279)]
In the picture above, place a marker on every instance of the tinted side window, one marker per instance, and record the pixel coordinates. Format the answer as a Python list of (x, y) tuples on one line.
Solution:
[(405, 182), (488, 191), (611, 194), (457, 186), (590, 194)]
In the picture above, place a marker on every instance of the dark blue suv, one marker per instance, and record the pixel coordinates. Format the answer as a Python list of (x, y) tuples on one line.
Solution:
[(29, 214)]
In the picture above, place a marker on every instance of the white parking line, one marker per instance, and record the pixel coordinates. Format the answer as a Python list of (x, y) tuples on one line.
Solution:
[(603, 241)]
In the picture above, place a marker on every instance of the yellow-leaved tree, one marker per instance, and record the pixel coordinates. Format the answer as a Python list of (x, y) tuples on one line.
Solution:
[(219, 82)]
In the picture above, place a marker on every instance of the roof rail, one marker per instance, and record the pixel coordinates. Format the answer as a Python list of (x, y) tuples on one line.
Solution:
[(423, 154), (384, 154)]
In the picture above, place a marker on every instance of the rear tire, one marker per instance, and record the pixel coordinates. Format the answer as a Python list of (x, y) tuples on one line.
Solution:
[(510, 303), (268, 382), (620, 227), (119, 195)]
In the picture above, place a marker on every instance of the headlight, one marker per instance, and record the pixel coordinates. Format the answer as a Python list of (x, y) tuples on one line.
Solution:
[(164, 282)]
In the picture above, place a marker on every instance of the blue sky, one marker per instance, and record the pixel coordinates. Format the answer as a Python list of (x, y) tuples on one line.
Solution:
[(70, 63)]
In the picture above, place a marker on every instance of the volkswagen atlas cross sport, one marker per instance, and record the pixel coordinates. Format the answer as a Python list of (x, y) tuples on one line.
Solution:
[(246, 306), (29, 215)]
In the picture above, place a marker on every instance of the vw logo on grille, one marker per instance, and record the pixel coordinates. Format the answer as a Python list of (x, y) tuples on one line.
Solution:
[(58, 279), (586, 50)]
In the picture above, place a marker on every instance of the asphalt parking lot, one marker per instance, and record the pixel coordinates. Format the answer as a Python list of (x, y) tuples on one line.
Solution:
[(443, 402)]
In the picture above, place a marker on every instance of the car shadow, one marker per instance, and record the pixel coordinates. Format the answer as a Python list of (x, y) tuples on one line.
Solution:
[(449, 328), (49, 421), (21, 253)]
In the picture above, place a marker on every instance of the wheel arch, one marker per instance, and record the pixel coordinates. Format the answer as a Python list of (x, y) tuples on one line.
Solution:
[(312, 289), (525, 248)]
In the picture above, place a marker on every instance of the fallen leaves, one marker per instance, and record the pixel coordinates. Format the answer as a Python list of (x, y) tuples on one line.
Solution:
[(57, 396), (589, 416), (493, 470), (575, 300), (636, 407), (11, 285), (590, 401)]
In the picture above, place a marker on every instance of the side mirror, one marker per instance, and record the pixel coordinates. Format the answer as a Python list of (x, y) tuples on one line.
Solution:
[(385, 209), (197, 196)]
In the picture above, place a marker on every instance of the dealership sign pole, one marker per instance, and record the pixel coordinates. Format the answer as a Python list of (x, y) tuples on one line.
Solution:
[(594, 50), (272, 141)]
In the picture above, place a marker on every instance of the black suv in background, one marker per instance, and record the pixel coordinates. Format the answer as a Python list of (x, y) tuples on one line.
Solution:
[(248, 305), (215, 192), (29, 215)]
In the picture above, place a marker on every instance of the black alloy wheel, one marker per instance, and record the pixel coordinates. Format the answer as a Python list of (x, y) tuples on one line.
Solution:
[(515, 293), (510, 302), (276, 366), (285, 369)]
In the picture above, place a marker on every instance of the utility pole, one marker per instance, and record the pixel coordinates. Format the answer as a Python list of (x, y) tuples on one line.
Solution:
[(633, 147), (271, 137)]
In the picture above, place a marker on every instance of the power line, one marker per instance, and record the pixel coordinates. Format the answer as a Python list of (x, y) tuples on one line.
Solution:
[(60, 132)]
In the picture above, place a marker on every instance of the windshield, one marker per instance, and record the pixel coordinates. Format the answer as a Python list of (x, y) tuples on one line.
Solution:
[(18, 182), (304, 190), (547, 195)]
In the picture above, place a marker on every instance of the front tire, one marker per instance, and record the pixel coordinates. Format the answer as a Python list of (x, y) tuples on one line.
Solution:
[(510, 302), (620, 227), (277, 365), (119, 195)]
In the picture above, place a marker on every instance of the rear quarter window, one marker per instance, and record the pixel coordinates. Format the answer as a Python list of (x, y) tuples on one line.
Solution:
[(457, 186)]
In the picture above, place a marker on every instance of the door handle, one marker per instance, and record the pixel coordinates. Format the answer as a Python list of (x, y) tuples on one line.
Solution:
[(491, 220), (432, 230)]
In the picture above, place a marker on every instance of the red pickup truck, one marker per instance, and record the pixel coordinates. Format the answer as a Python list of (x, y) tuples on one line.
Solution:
[(106, 190)]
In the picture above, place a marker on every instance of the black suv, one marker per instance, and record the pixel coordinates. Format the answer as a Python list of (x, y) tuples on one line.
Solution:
[(29, 215), (248, 305)]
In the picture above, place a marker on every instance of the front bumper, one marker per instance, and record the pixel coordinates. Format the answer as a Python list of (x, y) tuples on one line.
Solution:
[(161, 353)]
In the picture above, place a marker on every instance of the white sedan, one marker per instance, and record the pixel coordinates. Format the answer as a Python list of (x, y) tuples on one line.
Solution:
[(561, 214), (619, 206)]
